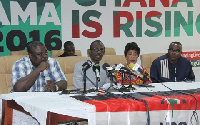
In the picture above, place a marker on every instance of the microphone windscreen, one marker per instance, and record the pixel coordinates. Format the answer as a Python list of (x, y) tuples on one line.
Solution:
[(86, 65), (134, 67), (105, 65), (96, 69), (125, 70), (118, 67), (131, 65), (96, 66), (89, 62)]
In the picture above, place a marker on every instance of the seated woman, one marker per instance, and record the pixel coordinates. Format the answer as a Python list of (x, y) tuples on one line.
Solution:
[(132, 52)]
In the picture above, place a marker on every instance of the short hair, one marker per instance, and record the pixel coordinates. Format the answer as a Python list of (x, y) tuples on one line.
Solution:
[(32, 45), (68, 43), (92, 44), (178, 43), (131, 46)]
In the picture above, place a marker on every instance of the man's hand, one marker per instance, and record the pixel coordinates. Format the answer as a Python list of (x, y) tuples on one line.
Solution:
[(43, 66), (50, 86)]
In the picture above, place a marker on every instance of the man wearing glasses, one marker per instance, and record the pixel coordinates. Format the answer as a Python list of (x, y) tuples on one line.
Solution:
[(96, 53), (37, 72), (172, 67)]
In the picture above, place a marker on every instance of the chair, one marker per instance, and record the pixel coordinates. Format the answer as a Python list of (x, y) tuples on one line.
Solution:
[(67, 65), (147, 59), (5, 72), (56, 53), (113, 59), (108, 51)]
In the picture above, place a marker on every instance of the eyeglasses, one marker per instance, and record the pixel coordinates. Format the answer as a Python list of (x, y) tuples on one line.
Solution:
[(173, 50), (102, 50), (41, 54)]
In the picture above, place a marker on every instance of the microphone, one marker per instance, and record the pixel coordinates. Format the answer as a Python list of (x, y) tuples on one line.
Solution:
[(137, 68), (106, 66), (96, 69), (125, 70), (110, 72), (109, 69), (86, 65)]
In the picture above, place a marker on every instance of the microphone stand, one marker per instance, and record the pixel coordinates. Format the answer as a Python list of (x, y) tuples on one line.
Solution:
[(123, 88), (97, 84), (130, 87), (111, 89), (144, 78), (84, 82)]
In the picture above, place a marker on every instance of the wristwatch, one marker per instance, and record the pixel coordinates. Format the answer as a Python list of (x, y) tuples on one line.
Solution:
[(56, 87)]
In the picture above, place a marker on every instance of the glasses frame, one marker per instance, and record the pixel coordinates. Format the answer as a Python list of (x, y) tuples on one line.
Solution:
[(102, 50), (173, 50)]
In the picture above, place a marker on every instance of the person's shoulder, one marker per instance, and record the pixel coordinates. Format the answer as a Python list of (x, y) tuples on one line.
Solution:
[(184, 60), (160, 58), (101, 63), (51, 59), (81, 62), (165, 56), (23, 60), (78, 65)]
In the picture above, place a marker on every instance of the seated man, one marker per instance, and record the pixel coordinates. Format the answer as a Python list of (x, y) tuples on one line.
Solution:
[(96, 53), (37, 72), (69, 49), (172, 67)]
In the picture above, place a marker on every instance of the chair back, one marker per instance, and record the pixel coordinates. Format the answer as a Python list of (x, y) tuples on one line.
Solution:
[(147, 59), (56, 53), (20, 52)]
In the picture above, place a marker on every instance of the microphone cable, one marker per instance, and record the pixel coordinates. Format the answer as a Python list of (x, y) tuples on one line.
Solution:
[(90, 81), (141, 100), (194, 114), (99, 87), (132, 97)]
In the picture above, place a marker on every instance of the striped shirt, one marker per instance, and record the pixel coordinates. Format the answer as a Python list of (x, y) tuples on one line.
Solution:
[(23, 67)]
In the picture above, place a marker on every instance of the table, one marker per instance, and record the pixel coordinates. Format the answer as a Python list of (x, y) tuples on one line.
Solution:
[(114, 111), (52, 118), (45, 107)]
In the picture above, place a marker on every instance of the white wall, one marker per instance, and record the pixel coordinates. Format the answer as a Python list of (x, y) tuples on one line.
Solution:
[(156, 44)]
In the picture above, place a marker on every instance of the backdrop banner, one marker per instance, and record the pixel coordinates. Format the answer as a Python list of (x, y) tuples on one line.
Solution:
[(152, 24)]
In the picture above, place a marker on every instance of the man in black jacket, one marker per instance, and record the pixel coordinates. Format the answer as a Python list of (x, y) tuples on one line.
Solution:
[(172, 67)]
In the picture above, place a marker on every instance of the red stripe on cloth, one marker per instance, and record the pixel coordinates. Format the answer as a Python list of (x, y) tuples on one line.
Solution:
[(154, 103)]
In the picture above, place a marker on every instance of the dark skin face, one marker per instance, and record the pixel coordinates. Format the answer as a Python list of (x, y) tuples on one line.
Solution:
[(69, 50), (97, 52), (174, 52), (38, 55)]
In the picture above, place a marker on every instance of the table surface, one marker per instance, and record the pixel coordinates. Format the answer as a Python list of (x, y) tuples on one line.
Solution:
[(39, 103)]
